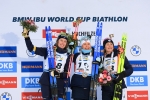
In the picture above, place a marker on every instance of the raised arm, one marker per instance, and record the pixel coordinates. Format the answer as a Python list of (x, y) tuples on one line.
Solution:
[(42, 51)]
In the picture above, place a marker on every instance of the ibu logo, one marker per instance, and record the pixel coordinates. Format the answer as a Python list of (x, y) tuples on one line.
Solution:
[(137, 80), (8, 67), (30, 82)]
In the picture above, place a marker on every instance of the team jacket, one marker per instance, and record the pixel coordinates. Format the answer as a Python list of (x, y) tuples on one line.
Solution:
[(82, 63), (62, 68)]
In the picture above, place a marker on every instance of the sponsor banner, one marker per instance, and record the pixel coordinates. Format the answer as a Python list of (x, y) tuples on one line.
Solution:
[(8, 67), (30, 82), (137, 95), (8, 51), (137, 80), (31, 96), (71, 19), (8, 82), (139, 65), (135, 50), (55, 32), (32, 66)]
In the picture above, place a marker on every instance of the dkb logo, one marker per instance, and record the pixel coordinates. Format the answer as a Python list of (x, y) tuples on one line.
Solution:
[(140, 80), (30, 82), (8, 67)]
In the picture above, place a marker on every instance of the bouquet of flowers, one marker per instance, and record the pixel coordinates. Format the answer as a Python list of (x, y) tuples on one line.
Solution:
[(28, 25), (77, 22), (76, 25), (105, 77)]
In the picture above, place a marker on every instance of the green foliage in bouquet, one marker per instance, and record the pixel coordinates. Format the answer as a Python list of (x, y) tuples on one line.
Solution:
[(70, 39), (29, 25)]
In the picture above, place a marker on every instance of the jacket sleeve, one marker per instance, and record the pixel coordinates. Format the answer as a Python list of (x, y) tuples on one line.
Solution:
[(38, 50), (128, 68), (75, 57)]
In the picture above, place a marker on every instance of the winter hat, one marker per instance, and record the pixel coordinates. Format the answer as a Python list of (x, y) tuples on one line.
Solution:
[(106, 41), (85, 39), (62, 36)]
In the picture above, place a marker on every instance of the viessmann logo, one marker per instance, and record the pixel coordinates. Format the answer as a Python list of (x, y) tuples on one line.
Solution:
[(55, 32), (31, 96), (137, 95), (8, 82)]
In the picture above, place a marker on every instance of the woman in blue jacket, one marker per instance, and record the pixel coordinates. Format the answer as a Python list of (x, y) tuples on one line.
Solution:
[(62, 63), (110, 52)]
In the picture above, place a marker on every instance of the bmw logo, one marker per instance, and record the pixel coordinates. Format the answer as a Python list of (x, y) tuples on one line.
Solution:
[(6, 96), (30, 53), (135, 50)]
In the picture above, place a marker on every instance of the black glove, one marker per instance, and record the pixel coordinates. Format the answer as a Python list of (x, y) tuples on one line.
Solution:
[(56, 74), (60, 75), (96, 62), (71, 45), (119, 77)]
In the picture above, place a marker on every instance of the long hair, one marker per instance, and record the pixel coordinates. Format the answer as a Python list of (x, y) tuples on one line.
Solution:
[(56, 44), (104, 43)]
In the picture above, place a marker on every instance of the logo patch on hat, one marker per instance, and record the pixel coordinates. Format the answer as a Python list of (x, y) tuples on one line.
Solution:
[(85, 39), (109, 40)]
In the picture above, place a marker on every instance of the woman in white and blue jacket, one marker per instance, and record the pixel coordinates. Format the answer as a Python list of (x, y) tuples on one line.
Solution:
[(80, 82)]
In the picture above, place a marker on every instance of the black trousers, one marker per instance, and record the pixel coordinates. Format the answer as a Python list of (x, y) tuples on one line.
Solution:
[(79, 93), (109, 95)]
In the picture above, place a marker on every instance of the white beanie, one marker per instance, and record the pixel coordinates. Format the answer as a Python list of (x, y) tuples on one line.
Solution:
[(85, 39)]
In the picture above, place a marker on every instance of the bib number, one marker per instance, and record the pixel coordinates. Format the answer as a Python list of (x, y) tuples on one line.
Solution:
[(59, 65), (86, 66)]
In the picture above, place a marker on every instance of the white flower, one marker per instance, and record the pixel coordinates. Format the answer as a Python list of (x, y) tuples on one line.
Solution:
[(101, 75)]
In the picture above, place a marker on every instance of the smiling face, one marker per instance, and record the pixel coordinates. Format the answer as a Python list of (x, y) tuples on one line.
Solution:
[(109, 47), (86, 46), (62, 43)]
